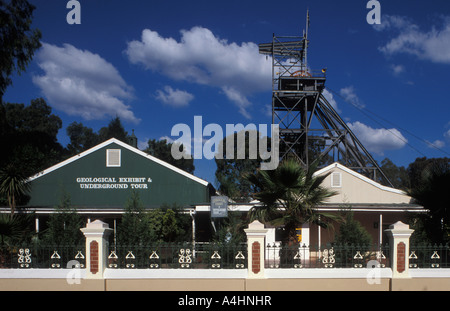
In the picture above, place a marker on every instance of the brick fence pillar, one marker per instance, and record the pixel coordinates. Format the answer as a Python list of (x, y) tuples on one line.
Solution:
[(256, 234), (96, 234), (399, 234)]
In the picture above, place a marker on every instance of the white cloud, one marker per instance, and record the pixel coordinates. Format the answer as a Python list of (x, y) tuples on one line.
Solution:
[(143, 143), (432, 45), (168, 139), (175, 98), (447, 135), (185, 140), (442, 144), (437, 144), (82, 83), (267, 110), (393, 21), (236, 97), (378, 140), (397, 69), (349, 94), (329, 97), (201, 57)]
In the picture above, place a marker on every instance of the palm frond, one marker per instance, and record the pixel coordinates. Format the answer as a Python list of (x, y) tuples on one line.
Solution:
[(289, 195), (13, 185)]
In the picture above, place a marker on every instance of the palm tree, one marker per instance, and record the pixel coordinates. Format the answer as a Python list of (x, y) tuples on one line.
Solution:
[(16, 229), (9, 228), (13, 185), (290, 196)]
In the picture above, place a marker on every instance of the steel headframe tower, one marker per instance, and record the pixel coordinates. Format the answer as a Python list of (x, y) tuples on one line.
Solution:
[(310, 128)]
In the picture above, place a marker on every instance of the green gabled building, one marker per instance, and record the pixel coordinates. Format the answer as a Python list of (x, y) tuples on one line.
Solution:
[(100, 180)]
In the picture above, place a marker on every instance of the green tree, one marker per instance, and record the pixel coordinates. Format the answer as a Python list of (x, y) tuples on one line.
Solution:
[(114, 129), (153, 225), (170, 229), (290, 196), (13, 185), (430, 183), (133, 228), (81, 138), (352, 232), (169, 224), (17, 229), (420, 224), (184, 224), (30, 132), (231, 229), (18, 41), (397, 175), (140, 226), (161, 149), (231, 173), (64, 224)]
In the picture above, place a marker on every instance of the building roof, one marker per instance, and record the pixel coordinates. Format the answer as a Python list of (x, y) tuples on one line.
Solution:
[(354, 188), (354, 191), (124, 145), (103, 177)]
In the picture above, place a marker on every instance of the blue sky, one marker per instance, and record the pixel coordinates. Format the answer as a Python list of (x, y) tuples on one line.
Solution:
[(159, 63)]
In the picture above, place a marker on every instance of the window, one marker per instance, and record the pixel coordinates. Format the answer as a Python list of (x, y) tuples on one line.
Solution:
[(336, 180), (113, 157)]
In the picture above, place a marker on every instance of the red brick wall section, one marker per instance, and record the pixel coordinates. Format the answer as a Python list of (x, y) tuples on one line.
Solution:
[(401, 249), (94, 257), (256, 253)]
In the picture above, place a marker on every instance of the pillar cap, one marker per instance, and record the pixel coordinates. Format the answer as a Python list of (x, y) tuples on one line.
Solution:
[(399, 225), (256, 227), (399, 229), (96, 228), (97, 224)]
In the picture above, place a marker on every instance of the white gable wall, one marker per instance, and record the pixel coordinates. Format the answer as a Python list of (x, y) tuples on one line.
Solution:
[(356, 188)]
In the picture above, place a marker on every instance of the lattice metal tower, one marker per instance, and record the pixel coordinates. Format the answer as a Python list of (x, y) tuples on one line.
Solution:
[(310, 128)]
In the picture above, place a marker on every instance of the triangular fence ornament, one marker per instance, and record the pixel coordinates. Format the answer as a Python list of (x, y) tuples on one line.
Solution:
[(413, 255), (79, 255), (435, 255), (154, 255), (130, 255), (113, 255), (216, 255), (240, 255), (55, 255), (358, 255)]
